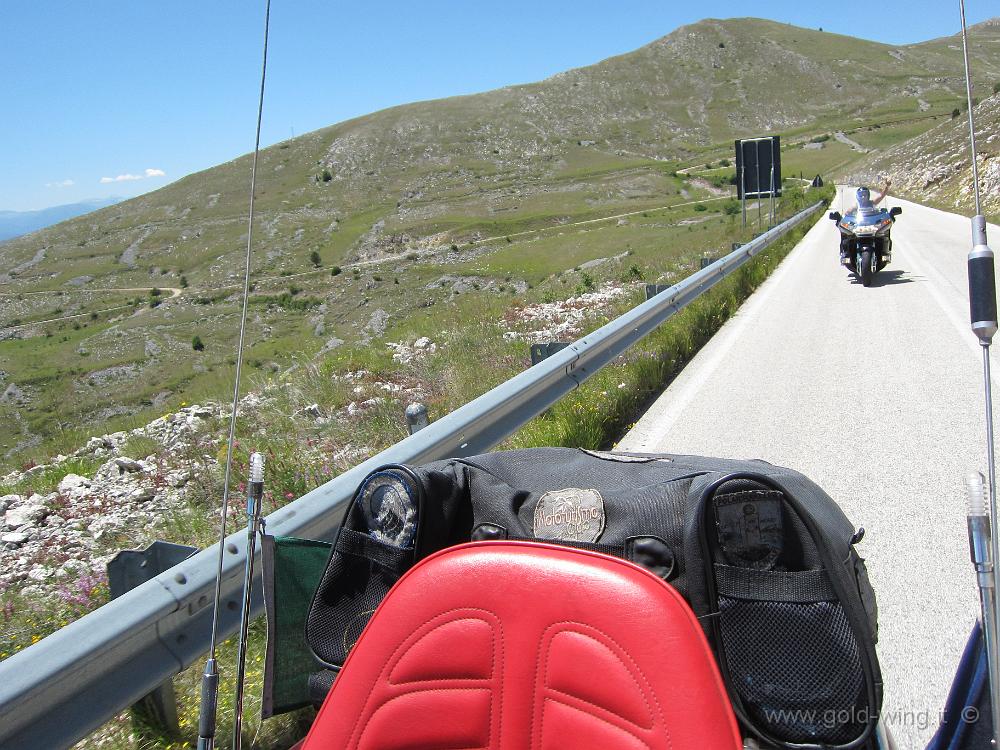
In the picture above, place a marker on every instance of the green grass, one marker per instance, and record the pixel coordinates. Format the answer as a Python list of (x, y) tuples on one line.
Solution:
[(811, 162), (883, 136), (48, 480)]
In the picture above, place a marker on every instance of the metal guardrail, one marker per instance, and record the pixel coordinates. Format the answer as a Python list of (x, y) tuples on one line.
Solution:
[(59, 690)]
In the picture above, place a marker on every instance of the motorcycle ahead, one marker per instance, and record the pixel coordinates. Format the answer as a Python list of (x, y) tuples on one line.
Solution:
[(865, 245)]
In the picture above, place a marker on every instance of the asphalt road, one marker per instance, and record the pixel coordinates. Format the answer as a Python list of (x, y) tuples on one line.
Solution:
[(876, 394)]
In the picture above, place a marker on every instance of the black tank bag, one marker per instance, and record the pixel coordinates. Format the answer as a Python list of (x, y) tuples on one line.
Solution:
[(765, 558)]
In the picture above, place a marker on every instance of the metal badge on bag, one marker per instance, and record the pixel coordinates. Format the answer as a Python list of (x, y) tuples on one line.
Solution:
[(569, 515)]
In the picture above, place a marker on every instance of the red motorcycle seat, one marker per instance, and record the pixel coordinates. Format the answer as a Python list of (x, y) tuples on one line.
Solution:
[(517, 645)]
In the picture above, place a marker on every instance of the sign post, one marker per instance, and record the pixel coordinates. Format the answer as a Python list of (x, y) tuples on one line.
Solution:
[(758, 162)]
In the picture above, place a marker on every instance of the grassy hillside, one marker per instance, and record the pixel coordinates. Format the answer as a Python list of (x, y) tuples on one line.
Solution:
[(368, 231)]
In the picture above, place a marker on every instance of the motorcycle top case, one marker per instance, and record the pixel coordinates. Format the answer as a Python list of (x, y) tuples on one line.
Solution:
[(764, 557)]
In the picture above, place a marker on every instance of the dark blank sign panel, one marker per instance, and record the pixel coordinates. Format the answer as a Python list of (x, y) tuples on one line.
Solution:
[(754, 159)]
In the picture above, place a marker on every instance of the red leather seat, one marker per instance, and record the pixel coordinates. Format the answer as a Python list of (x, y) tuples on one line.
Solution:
[(518, 645)]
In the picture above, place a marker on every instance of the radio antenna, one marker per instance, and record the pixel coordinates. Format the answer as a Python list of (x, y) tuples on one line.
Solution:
[(210, 677), (983, 312)]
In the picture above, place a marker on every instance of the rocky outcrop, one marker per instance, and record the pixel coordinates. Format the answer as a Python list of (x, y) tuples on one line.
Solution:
[(562, 320), (49, 541)]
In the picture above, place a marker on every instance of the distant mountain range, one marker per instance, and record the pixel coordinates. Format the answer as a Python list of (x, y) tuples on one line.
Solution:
[(16, 223)]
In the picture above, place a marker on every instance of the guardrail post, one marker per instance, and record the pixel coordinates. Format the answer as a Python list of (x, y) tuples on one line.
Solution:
[(127, 570), (416, 417), (653, 289), (541, 352)]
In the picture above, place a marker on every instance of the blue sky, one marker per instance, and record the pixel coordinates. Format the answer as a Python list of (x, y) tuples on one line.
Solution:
[(118, 97)]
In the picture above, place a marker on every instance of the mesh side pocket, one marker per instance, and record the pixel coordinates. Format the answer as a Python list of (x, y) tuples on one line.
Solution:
[(359, 575), (797, 668)]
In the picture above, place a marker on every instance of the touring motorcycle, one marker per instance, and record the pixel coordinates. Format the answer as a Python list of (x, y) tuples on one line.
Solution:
[(865, 244)]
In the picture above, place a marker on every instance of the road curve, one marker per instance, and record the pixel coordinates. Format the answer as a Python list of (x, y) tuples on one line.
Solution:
[(876, 394)]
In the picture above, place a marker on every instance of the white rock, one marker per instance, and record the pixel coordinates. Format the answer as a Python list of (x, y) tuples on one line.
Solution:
[(9, 501), (127, 464), (39, 573), (178, 478), (74, 485), (313, 410), (422, 343), (98, 443), (24, 516), (141, 495), (14, 537)]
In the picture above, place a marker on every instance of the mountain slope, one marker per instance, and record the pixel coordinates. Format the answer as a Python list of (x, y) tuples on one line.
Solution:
[(488, 162), (936, 168)]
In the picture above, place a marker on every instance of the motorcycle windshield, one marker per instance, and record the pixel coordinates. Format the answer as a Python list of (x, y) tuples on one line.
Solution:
[(866, 217)]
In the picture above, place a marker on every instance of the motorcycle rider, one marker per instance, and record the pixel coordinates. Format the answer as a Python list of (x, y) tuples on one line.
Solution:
[(864, 203), (864, 197)]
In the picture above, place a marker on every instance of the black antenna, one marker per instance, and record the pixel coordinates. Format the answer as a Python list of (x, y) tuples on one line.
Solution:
[(210, 677)]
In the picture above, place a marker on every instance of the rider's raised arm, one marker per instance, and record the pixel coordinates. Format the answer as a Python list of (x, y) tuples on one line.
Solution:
[(885, 192)]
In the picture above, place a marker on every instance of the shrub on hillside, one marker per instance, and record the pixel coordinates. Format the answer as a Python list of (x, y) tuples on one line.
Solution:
[(197, 344)]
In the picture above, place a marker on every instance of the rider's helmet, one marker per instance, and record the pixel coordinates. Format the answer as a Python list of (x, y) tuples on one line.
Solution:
[(864, 197)]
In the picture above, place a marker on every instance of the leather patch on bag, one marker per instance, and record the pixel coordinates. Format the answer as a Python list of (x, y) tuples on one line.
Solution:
[(569, 515), (390, 508)]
